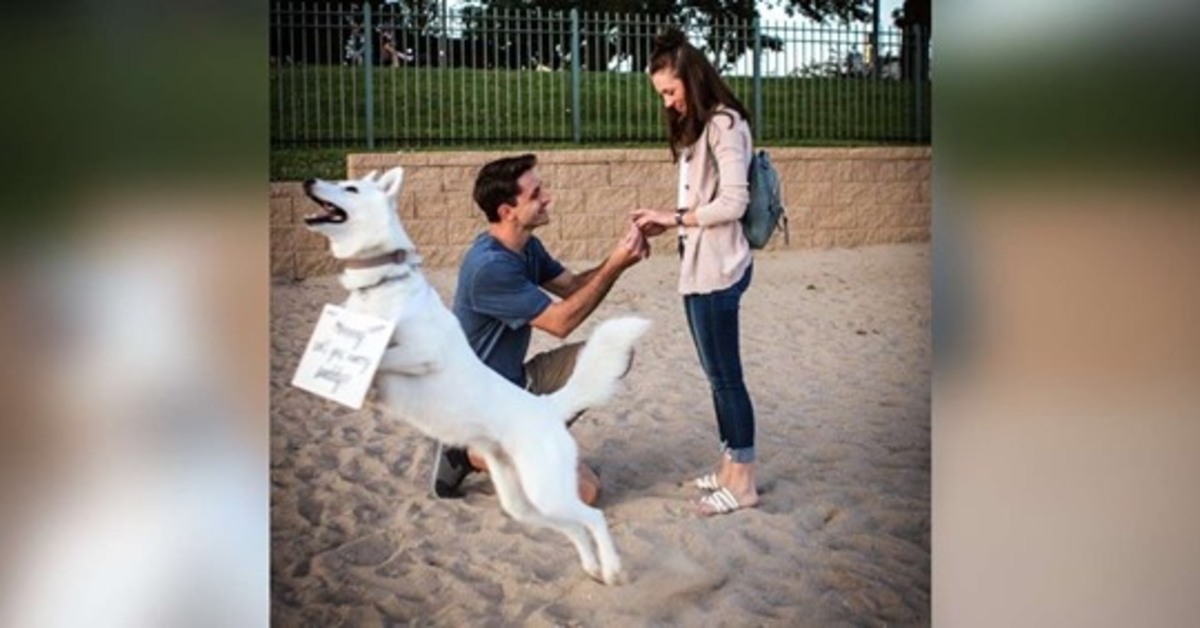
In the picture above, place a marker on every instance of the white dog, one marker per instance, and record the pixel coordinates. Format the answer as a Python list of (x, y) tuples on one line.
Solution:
[(432, 379)]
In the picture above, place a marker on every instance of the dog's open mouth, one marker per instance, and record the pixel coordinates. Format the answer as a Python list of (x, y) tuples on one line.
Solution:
[(329, 213)]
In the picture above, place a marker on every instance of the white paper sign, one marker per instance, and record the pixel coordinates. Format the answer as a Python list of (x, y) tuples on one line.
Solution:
[(343, 355)]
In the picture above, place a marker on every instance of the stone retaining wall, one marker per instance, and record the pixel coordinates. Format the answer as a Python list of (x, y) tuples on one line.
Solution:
[(836, 197)]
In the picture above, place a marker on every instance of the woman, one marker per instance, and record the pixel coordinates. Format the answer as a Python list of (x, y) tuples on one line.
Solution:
[(710, 140)]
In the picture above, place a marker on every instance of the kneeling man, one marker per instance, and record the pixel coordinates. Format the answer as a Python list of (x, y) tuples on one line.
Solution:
[(501, 296)]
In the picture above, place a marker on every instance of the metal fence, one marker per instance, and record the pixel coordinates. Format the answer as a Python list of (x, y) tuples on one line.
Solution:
[(349, 75)]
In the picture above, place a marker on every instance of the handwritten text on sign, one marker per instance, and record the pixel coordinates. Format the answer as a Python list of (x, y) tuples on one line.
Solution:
[(343, 355)]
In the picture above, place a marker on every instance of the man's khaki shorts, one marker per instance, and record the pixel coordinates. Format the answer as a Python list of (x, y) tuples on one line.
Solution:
[(548, 371)]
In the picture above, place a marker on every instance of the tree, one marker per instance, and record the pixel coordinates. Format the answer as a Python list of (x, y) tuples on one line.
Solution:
[(907, 18), (320, 33), (621, 40), (538, 32), (727, 44), (820, 10)]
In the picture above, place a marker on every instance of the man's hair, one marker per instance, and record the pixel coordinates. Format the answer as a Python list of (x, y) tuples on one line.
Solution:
[(497, 183), (702, 86)]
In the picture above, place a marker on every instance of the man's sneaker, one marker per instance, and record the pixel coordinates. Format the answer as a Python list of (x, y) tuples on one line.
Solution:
[(450, 467)]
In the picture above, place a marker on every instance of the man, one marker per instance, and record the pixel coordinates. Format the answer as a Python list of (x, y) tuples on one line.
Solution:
[(501, 296)]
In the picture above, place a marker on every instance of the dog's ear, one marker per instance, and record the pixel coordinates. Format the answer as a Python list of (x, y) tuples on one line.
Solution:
[(391, 181), (370, 176)]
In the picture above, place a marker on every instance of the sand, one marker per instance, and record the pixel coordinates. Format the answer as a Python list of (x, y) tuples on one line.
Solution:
[(837, 355)]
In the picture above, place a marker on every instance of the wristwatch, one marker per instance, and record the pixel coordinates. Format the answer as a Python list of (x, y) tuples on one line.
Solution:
[(679, 216)]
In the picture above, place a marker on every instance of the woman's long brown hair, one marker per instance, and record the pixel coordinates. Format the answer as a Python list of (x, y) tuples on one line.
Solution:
[(703, 87)]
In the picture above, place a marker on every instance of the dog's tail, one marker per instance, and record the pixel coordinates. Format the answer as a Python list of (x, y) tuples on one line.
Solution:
[(605, 358)]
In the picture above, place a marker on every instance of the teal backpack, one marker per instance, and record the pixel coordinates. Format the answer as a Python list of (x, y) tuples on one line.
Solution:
[(765, 211)]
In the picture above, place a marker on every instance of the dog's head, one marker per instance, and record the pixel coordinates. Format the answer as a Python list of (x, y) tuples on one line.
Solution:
[(359, 215)]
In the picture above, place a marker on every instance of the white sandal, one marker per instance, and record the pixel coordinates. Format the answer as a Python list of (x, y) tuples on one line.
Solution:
[(708, 482), (720, 502)]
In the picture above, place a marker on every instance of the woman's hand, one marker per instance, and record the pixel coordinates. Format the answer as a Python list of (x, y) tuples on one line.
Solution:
[(652, 222)]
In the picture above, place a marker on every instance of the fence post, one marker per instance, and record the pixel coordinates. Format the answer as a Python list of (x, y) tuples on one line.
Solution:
[(443, 50), (875, 39), (368, 68), (918, 83), (576, 131), (758, 119)]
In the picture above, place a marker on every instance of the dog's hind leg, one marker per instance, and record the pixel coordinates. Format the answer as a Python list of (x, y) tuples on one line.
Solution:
[(609, 559), (582, 516), (583, 545), (515, 502), (504, 478), (559, 502)]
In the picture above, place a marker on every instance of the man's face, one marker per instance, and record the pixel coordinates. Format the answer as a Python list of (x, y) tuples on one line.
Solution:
[(532, 202)]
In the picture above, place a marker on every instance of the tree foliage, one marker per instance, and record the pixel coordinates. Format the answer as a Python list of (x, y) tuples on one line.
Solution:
[(914, 50), (915, 13), (821, 10), (536, 33), (912, 13), (724, 25)]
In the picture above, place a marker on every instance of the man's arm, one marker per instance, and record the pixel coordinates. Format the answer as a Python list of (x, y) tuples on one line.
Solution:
[(583, 292), (566, 283)]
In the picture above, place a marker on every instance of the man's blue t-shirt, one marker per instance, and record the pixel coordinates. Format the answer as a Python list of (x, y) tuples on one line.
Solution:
[(498, 294)]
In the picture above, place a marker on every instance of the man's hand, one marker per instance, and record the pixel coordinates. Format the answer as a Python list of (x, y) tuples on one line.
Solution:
[(637, 240), (652, 222), (630, 250)]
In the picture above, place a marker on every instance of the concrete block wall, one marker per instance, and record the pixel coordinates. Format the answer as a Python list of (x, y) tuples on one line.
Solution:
[(835, 197)]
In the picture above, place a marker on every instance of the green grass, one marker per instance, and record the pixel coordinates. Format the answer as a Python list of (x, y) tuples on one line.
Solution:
[(318, 113)]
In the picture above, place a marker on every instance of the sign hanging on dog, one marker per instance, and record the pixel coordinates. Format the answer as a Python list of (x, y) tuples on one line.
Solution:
[(343, 355)]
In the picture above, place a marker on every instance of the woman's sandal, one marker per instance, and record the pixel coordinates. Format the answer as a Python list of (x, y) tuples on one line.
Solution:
[(719, 502), (708, 482)]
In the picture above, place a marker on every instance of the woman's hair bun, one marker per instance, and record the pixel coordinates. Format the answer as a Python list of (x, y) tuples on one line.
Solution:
[(669, 39)]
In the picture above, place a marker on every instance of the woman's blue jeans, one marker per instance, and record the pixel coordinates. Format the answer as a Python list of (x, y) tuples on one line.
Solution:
[(713, 321)]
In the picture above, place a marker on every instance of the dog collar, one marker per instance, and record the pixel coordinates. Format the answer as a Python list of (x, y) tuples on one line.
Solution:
[(395, 257), (374, 276)]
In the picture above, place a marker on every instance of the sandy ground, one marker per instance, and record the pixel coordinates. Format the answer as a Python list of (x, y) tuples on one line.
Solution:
[(837, 354)]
